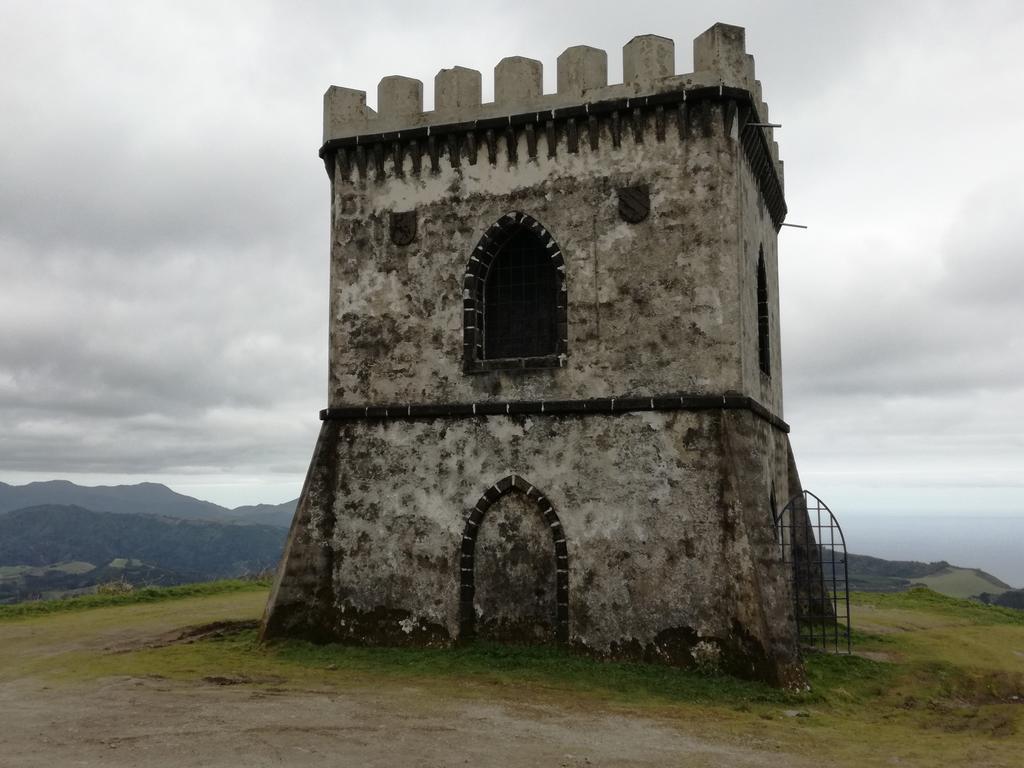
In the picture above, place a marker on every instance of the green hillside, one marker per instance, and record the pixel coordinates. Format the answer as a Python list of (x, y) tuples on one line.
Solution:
[(54, 550), (963, 582), (875, 574)]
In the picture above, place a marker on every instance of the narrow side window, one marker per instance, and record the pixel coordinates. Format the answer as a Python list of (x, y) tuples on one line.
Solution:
[(764, 354)]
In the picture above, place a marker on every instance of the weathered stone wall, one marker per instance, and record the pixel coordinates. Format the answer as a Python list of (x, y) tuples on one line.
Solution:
[(666, 519), (653, 307), (756, 232)]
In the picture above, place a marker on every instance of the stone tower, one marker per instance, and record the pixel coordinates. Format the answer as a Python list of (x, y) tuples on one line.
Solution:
[(555, 403)]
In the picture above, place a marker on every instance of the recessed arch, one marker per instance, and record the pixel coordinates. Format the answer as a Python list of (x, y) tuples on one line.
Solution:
[(467, 586), (515, 308)]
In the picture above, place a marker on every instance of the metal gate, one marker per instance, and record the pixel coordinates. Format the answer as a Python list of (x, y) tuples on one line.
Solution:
[(814, 548)]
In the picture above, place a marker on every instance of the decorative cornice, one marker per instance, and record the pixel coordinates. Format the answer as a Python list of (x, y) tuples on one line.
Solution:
[(603, 406), (377, 155)]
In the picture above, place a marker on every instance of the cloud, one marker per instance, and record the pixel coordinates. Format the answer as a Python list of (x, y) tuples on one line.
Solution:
[(164, 220), (943, 320)]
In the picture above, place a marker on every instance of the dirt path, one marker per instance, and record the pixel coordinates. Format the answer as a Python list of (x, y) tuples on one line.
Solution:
[(51, 717), (136, 722)]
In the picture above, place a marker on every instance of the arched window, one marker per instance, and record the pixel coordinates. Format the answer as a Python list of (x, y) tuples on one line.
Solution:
[(520, 295), (514, 298), (764, 354)]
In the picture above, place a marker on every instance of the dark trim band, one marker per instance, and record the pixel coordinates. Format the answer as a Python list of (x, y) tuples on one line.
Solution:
[(600, 405)]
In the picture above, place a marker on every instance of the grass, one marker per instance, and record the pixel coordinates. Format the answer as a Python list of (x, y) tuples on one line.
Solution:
[(931, 602), (935, 684), (143, 595), (541, 674), (551, 668), (17, 571), (74, 566)]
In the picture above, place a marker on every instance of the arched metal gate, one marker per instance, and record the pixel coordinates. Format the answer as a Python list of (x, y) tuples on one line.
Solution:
[(814, 548)]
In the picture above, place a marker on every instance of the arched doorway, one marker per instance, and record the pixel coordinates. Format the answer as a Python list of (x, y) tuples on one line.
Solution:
[(514, 567)]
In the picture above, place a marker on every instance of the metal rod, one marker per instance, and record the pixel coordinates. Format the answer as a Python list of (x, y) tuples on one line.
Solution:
[(835, 590), (823, 595), (846, 577), (798, 226), (764, 125)]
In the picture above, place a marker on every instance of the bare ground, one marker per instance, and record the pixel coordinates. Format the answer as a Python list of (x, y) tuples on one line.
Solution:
[(50, 721), (177, 684), (146, 722)]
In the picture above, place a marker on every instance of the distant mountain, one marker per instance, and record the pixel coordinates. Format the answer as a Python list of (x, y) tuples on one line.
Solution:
[(139, 499), (64, 541), (874, 574), (266, 514)]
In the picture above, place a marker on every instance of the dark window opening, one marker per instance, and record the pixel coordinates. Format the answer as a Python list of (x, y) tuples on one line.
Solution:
[(520, 300), (514, 299), (763, 325)]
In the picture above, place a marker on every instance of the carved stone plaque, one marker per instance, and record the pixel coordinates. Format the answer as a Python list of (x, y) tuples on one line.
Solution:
[(403, 227), (634, 203)]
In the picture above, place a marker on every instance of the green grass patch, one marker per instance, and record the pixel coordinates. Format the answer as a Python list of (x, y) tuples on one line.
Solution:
[(143, 595), (961, 582), (564, 675), (74, 566), (924, 599), (544, 667), (548, 673), (861, 640), (840, 679)]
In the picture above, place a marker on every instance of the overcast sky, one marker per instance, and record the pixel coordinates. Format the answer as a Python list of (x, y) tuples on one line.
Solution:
[(164, 229)]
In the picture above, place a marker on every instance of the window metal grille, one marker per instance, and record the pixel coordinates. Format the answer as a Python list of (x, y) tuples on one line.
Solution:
[(763, 326), (520, 300)]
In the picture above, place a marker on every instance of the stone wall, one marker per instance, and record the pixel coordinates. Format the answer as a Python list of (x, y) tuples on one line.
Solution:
[(756, 233), (666, 519), (653, 307)]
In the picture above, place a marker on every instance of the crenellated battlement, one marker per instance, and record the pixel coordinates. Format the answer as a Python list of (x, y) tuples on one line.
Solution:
[(648, 64), (401, 136)]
